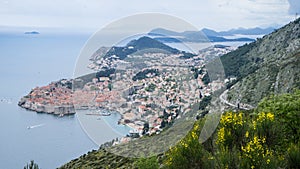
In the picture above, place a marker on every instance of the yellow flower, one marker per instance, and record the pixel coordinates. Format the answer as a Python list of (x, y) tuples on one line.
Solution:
[(255, 151), (270, 116), (240, 115), (260, 117), (221, 135), (247, 134), (254, 125), (194, 135), (255, 139), (196, 127), (265, 116)]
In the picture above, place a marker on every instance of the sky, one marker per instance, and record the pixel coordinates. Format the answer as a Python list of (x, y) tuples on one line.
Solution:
[(93, 14)]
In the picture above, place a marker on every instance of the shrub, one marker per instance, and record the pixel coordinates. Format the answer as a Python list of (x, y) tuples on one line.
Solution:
[(286, 108), (147, 163), (266, 127), (189, 152), (255, 154), (228, 159), (232, 130), (293, 156)]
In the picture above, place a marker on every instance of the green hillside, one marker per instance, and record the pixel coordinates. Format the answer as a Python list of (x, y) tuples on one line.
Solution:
[(267, 137), (268, 74), (269, 65)]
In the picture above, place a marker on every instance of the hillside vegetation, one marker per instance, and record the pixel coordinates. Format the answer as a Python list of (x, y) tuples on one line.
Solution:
[(269, 65), (267, 137)]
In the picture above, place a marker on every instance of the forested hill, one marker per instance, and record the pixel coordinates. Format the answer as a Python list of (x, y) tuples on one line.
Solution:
[(142, 44)]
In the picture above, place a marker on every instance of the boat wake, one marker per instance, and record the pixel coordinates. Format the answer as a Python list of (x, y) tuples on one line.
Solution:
[(34, 126)]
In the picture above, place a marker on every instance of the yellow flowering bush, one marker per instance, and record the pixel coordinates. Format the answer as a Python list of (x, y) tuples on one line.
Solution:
[(286, 108), (231, 129), (255, 153), (232, 119), (265, 126), (267, 137), (221, 135), (262, 117), (245, 141), (188, 153)]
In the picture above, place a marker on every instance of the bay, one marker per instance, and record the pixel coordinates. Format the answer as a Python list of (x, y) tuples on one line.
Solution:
[(28, 61)]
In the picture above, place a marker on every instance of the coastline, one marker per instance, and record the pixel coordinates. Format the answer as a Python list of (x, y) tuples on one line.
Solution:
[(90, 124), (153, 97), (55, 98), (49, 109)]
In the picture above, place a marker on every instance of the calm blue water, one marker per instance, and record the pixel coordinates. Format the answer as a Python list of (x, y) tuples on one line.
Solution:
[(35, 60)]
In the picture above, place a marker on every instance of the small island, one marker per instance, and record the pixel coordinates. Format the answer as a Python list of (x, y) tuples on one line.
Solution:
[(32, 33)]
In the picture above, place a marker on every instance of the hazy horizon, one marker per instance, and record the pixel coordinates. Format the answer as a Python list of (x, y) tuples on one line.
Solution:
[(93, 15), (70, 31)]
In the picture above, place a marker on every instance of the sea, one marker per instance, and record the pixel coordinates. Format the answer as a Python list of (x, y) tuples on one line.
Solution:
[(30, 60), (27, 61)]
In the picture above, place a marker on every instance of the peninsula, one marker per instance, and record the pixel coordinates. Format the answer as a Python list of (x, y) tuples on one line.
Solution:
[(149, 83)]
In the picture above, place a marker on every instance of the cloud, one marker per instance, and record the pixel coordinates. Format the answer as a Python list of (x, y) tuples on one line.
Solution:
[(216, 14), (294, 7)]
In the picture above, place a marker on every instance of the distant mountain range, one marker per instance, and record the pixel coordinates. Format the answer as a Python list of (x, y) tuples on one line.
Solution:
[(241, 31), (207, 35)]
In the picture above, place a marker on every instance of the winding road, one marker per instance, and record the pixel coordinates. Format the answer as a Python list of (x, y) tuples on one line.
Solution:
[(242, 106)]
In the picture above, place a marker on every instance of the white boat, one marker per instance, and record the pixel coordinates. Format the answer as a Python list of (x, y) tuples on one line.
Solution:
[(99, 112), (103, 113)]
